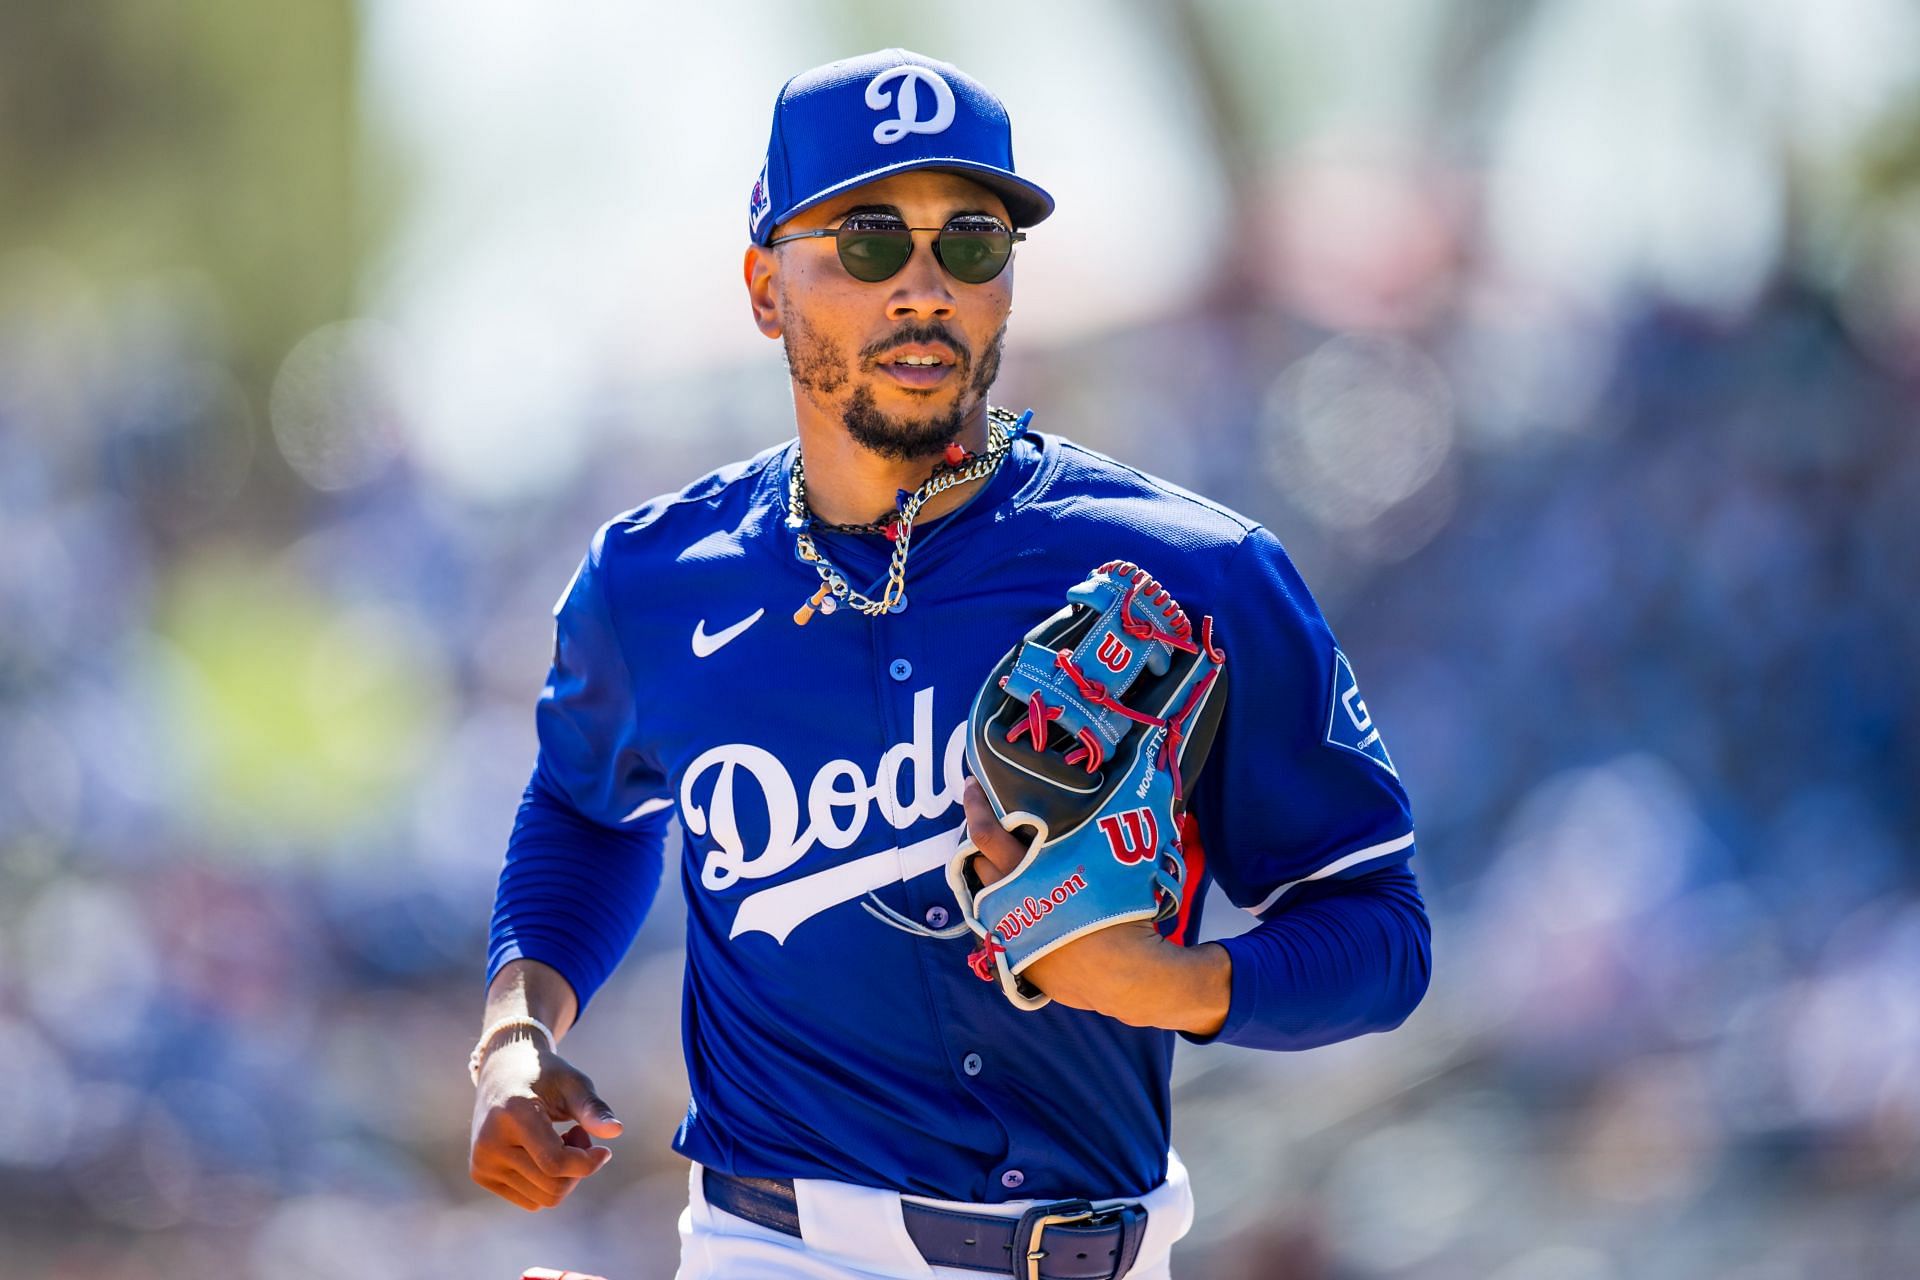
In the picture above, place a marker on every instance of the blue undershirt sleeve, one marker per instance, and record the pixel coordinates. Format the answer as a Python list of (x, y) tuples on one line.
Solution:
[(584, 860), (1345, 957), (573, 894)]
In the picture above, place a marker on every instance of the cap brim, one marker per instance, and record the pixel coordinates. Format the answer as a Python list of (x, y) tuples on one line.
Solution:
[(1026, 203)]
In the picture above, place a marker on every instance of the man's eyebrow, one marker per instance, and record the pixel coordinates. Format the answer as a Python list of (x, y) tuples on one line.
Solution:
[(894, 211), (871, 208)]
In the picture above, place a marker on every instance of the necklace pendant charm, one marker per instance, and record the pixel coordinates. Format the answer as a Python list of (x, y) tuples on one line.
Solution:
[(958, 466), (821, 601)]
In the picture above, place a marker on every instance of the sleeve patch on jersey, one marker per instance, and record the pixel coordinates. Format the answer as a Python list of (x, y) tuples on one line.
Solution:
[(1348, 723)]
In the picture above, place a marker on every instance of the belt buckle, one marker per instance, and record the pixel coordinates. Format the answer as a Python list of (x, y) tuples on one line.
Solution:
[(1033, 1224)]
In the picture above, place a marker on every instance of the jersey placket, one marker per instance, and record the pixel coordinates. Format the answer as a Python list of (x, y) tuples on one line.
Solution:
[(906, 668)]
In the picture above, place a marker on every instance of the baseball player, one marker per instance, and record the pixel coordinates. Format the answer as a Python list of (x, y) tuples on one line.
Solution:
[(786, 654)]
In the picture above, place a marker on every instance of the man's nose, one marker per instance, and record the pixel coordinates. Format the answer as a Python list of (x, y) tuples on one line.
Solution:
[(922, 288)]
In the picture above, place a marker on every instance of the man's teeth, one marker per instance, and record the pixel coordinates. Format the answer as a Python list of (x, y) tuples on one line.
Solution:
[(917, 360)]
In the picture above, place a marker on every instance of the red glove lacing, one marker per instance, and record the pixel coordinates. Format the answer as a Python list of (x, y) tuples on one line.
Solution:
[(1177, 633)]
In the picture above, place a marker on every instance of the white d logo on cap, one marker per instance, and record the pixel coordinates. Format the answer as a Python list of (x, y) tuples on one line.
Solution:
[(907, 102)]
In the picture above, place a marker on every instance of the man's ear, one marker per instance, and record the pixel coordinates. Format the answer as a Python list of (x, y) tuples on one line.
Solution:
[(760, 270)]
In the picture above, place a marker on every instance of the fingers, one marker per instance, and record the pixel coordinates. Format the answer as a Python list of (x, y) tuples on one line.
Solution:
[(532, 1194), (514, 1173), (506, 1171), (547, 1173), (518, 1156), (1109, 971), (551, 1157), (1000, 850), (511, 1196)]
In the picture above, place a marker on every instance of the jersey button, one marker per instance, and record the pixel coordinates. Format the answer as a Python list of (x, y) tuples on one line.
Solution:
[(971, 1064), (936, 916), (900, 669), (1012, 1178)]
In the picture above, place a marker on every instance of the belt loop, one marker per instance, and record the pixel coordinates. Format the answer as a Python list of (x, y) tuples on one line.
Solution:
[(1133, 1233)]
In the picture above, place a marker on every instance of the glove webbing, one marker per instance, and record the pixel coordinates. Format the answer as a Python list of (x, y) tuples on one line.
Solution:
[(1177, 634)]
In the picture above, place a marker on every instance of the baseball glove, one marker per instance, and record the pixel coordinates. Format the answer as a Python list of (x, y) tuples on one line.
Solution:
[(1087, 737)]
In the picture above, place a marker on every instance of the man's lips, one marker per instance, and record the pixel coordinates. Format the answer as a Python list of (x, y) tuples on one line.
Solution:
[(917, 375), (920, 350)]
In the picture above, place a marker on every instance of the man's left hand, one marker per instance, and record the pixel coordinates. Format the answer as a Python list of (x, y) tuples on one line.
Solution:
[(1126, 971)]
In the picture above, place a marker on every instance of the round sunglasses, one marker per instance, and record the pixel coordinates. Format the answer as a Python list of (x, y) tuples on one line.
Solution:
[(973, 251)]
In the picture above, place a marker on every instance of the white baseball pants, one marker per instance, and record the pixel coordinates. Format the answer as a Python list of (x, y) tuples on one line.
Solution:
[(856, 1233)]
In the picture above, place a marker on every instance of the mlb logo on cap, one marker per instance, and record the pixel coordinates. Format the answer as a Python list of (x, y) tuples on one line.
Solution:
[(757, 207), (852, 121)]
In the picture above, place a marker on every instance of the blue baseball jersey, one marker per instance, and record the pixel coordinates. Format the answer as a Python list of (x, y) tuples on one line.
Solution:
[(816, 772)]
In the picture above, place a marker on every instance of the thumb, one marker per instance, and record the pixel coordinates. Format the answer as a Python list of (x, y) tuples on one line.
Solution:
[(587, 1108), (1000, 850)]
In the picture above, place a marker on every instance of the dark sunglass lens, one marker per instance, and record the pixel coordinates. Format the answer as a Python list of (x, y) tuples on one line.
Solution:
[(873, 254), (974, 256)]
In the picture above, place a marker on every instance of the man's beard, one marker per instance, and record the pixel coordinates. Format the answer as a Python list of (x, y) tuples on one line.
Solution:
[(819, 366)]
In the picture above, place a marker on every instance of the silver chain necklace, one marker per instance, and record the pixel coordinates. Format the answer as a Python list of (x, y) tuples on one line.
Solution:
[(1003, 428)]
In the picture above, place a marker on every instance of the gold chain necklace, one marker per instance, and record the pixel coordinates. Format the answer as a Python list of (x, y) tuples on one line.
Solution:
[(1003, 428)]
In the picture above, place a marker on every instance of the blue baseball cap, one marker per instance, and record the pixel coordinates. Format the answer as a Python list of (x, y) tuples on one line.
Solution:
[(858, 119)]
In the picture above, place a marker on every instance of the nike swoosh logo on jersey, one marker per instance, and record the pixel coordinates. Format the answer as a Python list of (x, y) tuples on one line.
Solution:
[(705, 645)]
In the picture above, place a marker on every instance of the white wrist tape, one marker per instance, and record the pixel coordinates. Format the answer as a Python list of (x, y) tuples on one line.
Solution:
[(479, 1053)]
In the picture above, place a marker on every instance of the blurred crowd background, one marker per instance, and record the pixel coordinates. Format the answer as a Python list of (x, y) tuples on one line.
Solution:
[(1572, 347)]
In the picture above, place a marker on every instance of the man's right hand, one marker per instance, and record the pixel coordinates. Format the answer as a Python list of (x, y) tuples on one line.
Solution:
[(525, 1089)]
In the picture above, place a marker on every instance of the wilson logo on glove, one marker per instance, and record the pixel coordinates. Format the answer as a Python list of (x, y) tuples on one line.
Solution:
[(1113, 655), (1080, 765), (1028, 913), (1132, 835)]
